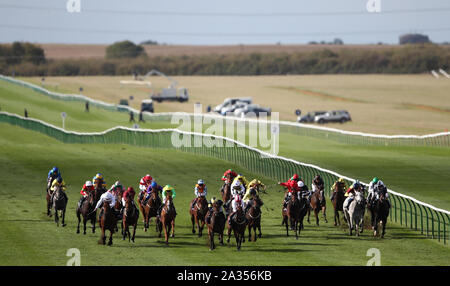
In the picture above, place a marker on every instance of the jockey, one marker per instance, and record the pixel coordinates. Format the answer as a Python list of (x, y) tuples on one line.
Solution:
[(109, 197), (292, 186), (168, 190), (144, 183), (229, 174), (350, 193), (242, 179), (87, 187), (248, 198), (116, 187), (380, 188), (99, 178), (256, 184), (340, 185), (58, 182), (152, 187), (317, 184), (52, 175), (303, 191), (200, 190), (129, 193), (372, 185), (237, 201), (237, 188)]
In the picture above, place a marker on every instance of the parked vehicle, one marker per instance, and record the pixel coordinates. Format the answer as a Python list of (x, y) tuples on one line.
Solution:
[(341, 116), (309, 117), (228, 102), (232, 108), (147, 105), (252, 109), (170, 94)]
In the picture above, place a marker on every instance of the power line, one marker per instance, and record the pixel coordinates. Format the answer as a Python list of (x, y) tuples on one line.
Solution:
[(231, 14), (166, 33)]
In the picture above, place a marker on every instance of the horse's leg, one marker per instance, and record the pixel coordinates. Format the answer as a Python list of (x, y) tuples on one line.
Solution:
[(173, 228), (316, 214), (134, 230), (249, 232), (64, 217), (383, 232), (111, 231), (296, 228), (124, 229), (193, 223), (212, 246), (94, 222), (102, 237), (259, 228), (202, 222), (229, 233), (79, 221), (287, 226), (56, 217), (309, 212), (238, 240), (324, 211)]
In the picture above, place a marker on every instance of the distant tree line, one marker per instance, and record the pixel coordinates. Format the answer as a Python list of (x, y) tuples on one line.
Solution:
[(415, 58), (16, 53)]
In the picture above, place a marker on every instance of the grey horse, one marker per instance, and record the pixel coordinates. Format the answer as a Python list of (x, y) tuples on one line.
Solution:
[(355, 213), (59, 204)]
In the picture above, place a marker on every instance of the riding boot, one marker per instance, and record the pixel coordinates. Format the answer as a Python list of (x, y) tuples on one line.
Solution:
[(80, 203)]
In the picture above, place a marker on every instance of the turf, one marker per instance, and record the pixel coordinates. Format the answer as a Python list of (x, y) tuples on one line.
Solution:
[(30, 238), (422, 172)]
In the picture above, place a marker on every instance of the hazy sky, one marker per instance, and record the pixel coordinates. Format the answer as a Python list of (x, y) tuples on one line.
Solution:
[(221, 22)]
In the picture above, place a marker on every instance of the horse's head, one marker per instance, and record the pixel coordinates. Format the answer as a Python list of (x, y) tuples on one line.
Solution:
[(257, 202), (359, 197)]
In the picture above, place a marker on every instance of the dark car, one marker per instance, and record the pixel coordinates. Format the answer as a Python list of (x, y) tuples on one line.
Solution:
[(309, 117)]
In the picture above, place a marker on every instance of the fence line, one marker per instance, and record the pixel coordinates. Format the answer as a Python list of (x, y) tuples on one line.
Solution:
[(441, 139), (408, 211)]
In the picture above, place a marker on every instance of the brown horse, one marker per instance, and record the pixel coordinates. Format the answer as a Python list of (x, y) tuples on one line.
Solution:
[(216, 224), (291, 214), (151, 210), (167, 220), (238, 224), (130, 218), (107, 221), (379, 210), (86, 210), (253, 216), (59, 204), (225, 190), (198, 214), (338, 202), (318, 204)]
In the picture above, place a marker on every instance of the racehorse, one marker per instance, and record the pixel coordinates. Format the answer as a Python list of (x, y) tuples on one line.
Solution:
[(355, 214), (225, 190), (59, 204), (167, 220), (338, 203), (318, 204), (380, 212), (198, 214), (151, 210), (216, 224), (86, 210), (291, 214), (118, 205), (238, 225), (130, 218), (253, 216), (107, 221)]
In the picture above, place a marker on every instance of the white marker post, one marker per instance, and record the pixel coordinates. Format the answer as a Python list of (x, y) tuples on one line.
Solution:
[(275, 130), (63, 115)]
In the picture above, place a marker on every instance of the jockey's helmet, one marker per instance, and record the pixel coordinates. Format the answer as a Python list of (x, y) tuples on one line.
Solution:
[(200, 182), (153, 185), (300, 184), (59, 180), (375, 180), (295, 177), (88, 183), (130, 189), (168, 188), (55, 170), (148, 178)]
